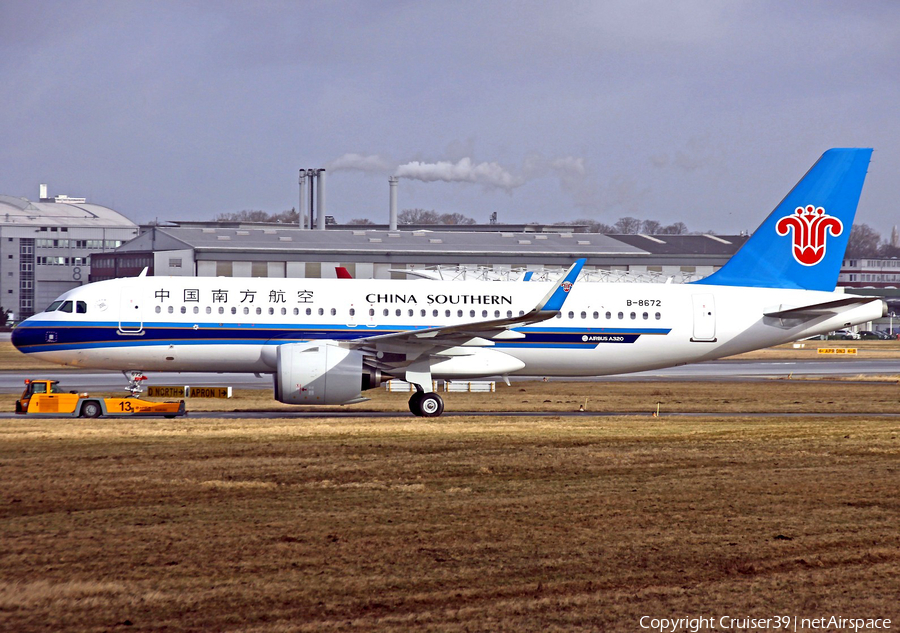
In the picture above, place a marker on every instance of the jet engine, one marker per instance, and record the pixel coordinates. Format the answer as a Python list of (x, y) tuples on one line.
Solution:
[(322, 372)]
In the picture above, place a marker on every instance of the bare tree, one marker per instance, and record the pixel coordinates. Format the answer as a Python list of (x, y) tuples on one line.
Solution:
[(864, 242), (627, 225), (678, 228), (360, 221), (650, 227)]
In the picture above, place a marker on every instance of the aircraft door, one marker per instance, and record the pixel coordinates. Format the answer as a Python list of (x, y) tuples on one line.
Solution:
[(131, 319), (704, 318)]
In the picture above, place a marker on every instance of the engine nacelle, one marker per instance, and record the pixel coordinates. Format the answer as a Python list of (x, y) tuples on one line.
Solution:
[(322, 373)]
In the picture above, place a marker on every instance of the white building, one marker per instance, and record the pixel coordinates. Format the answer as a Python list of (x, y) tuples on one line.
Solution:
[(45, 245)]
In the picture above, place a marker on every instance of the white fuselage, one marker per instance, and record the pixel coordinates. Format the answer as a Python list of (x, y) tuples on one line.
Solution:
[(236, 324)]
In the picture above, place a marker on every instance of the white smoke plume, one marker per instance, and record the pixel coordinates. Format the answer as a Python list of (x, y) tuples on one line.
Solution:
[(373, 164), (490, 175)]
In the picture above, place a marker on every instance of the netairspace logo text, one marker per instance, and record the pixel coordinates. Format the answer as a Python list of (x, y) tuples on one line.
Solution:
[(783, 622)]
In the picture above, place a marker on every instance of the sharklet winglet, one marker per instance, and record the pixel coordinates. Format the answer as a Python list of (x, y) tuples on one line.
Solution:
[(554, 300)]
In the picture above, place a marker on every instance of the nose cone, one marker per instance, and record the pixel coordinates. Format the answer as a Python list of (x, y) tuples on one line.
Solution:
[(23, 335)]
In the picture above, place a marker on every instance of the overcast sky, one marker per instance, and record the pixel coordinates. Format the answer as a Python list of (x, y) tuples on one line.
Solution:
[(696, 111)]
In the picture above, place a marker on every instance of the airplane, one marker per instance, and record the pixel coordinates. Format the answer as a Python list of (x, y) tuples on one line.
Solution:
[(327, 343)]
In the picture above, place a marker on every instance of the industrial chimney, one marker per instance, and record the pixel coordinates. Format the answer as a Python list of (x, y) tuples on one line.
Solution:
[(393, 217)]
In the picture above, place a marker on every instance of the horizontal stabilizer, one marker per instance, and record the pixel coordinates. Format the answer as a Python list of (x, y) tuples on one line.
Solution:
[(826, 308)]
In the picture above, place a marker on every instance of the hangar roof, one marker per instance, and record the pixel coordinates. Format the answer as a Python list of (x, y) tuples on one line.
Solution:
[(22, 212)]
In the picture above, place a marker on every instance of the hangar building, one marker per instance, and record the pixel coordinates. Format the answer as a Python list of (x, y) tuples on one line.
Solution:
[(45, 247)]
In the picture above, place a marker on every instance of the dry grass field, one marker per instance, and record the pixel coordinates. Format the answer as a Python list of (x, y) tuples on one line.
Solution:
[(462, 523)]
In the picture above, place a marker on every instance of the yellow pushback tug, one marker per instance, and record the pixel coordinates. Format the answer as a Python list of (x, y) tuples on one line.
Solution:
[(45, 398)]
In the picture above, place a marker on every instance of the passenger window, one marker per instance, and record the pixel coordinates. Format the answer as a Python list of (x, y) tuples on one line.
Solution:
[(208, 310), (633, 316), (596, 315), (423, 312), (621, 315), (459, 313), (283, 311), (371, 311), (352, 312), (272, 311), (658, 316), (609, 315), (258, 311), (158, 309), (496, 314), (584, 315), (309, 311), (571, 314), (399, 312), (171, 309), (183, 310), (447, 313), (66, 307), (646, 316), (196, 309), (321, 311), (233, 310), (296, 312), (246, 310), (411, 312), (386, 312), (484, 313), (221, 310), (509, 313), (333, 312), (80, 307)]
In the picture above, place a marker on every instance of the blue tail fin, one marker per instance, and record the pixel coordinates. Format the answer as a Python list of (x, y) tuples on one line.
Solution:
[(802, 242)]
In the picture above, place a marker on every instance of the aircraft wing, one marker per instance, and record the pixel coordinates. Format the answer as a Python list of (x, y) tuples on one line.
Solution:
[(814, 310), (476, 333)]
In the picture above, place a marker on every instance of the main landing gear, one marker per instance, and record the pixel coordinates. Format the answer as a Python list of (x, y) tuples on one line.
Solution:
[(426, 405)]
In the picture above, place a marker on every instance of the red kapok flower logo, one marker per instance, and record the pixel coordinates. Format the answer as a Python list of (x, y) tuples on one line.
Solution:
[(810, 226)]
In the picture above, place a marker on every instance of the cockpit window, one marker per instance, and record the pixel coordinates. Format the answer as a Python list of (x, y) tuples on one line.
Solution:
[(53, 306), (80, 307), (66, 307)]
